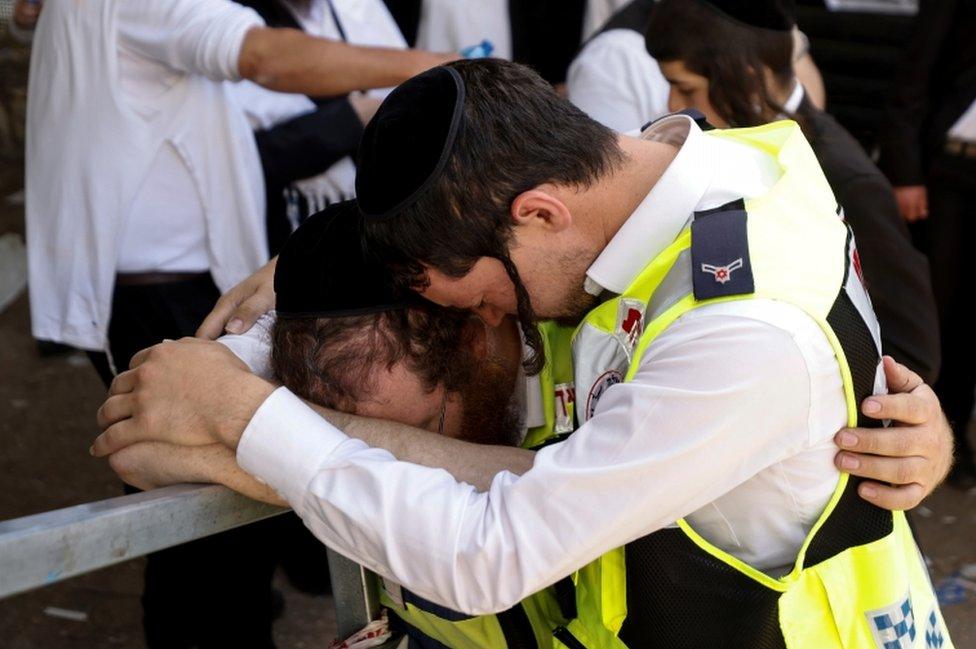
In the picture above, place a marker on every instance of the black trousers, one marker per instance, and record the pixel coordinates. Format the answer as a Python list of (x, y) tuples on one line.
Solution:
[(215, 592), (951, 237)]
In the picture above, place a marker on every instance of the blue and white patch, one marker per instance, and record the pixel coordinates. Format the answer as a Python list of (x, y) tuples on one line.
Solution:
[(893, 626), (935, 636)]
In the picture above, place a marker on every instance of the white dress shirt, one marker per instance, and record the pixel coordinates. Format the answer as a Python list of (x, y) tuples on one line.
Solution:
[(121, 91), (452, 25), (616, 82), (728, 422)]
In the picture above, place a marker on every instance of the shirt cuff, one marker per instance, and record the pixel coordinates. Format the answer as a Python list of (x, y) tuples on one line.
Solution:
[(234, 36), (285, 444)]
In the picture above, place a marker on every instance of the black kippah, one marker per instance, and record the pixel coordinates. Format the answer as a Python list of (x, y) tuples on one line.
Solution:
[(779, 15), (323, 271), (407, 143)]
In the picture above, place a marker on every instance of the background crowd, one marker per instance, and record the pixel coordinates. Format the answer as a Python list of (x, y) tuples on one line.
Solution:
[(199, 152)]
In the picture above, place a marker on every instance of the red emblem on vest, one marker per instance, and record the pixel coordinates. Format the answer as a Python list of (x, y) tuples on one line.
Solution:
[(632, 320)]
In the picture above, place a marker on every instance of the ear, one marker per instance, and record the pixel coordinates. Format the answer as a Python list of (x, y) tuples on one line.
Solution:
[(540, 207)]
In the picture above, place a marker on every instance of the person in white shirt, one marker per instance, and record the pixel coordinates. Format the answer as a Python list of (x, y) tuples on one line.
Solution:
[(144, 200), (618, 83), (480, 552)]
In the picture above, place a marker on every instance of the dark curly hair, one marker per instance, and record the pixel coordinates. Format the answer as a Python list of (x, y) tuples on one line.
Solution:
[(331, 361)]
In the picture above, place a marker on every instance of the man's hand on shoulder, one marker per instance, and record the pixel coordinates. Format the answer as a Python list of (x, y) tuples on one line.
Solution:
[(905, 462), (239, 308), (190, 392)]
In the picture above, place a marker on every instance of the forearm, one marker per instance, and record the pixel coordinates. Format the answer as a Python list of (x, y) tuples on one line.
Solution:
[(289, 60), (218, 465), (475, 464)]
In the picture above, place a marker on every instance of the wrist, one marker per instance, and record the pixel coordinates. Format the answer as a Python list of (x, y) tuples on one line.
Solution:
[(250, 392)]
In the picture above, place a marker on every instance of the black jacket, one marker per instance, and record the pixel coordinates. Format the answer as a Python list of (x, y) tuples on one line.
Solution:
[(896, 273), (936, 85), (301, 147)]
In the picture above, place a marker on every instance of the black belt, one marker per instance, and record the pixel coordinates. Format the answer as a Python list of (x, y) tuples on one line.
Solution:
[(148, 279), (962, 148)]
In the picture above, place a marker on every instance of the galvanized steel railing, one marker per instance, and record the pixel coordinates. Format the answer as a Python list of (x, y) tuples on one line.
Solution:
[(46, 548)]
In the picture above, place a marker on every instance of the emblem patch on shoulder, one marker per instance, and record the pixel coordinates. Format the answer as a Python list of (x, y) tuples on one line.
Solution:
[(717, 238), (603, 383)]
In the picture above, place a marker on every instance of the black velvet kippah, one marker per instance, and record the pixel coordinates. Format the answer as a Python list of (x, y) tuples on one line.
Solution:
[(407, 143), (779, 15), (323, 271)]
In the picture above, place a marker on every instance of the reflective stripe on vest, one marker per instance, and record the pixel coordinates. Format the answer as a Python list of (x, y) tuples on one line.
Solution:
[(858, 581)]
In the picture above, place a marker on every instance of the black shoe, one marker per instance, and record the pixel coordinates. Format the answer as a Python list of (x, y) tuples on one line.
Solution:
[(963, 475)]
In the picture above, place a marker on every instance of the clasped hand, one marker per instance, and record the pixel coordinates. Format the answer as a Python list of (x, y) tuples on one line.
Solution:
[(189, 392)]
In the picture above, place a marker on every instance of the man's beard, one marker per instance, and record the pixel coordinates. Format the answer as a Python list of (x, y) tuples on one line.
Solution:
[(572, 307), (490, 414), (575, 308)]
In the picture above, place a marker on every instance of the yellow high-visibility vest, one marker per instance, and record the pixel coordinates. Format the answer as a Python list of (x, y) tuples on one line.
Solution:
[(859, 581)]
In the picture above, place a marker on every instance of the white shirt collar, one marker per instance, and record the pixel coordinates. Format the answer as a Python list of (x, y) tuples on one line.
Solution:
[(796, 98), (707, 172)]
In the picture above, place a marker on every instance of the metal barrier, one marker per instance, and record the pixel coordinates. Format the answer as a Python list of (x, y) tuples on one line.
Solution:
[(43, 549)]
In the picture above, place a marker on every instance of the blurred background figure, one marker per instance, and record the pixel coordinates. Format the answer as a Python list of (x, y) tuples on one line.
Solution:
[(618, 83), (928, 151), (145, 200)]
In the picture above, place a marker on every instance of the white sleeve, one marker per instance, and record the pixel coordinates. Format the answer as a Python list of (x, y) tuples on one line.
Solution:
[(196, 36), (254, 346), (266, 108), (712, 404), (616, 82)]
